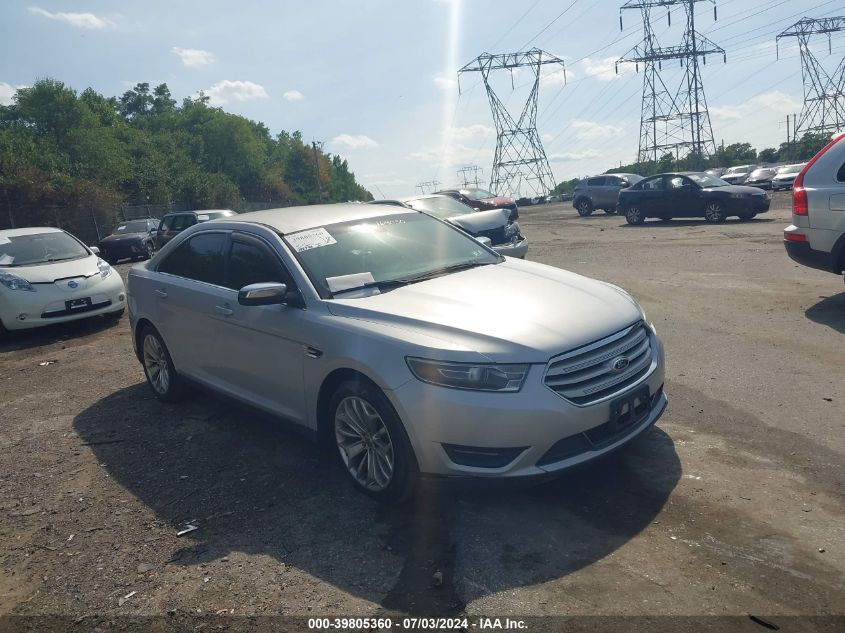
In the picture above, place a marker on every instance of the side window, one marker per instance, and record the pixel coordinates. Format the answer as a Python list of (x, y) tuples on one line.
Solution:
[(166, 224), (200, 258), (840, 175), (654, 184), (252, 264), (676, 182), (595, 182)]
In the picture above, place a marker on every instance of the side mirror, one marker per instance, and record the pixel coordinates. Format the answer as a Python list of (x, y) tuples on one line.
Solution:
[(264, 294), (94, 250), (485, 240)]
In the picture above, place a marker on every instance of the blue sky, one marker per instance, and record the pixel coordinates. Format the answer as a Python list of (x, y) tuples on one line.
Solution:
[(375, 79)]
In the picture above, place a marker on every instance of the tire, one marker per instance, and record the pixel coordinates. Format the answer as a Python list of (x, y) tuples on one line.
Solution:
[(362, 418), (746, 216), (165, 383), (584, 207), (634, 216), (150, 250), (714, 213)]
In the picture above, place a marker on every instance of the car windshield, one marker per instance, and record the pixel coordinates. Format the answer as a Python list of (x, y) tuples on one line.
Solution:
[(136, 226), (706, 180), (478, 194), (39, 248), (737, 170), (205, 216), (384, 252), (440, 206), (761, 173)]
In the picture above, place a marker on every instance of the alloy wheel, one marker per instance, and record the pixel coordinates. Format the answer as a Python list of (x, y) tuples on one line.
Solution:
[(634, 216), (155, 364), (714, 213), (364, 443)]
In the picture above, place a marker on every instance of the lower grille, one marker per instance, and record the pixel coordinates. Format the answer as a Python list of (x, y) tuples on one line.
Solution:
[(482, 457), (597, 370), (61, 313)]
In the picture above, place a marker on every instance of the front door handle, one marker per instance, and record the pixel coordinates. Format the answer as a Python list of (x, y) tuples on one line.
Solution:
[(225, 310), (160, 292)]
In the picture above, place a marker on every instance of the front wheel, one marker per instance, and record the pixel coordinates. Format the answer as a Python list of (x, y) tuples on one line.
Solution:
[(634, 215), (150, 249), (584, 207), (715, 213), (371, 442), (158, 366)]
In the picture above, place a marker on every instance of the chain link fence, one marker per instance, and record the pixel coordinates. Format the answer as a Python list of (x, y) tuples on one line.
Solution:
[(91, 225)]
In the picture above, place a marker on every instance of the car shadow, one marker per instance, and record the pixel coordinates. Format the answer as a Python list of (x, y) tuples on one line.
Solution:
[(15, 340), (829, 311), (255, 486), (654, 223)]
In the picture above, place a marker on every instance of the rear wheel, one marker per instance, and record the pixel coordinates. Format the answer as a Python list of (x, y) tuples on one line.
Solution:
[(715, 213), (634, 215), (158, 366), (584, 207), (372, 444)]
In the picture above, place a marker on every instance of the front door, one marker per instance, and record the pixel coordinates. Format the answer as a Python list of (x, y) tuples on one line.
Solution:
[(683, 198)]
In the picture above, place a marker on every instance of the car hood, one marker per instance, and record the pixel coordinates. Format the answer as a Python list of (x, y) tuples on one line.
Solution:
[(515, 311), (482, 220), (735, 189), (122, 237), (48, 273)]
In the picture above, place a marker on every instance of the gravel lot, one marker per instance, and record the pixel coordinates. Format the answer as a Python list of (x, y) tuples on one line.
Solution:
[(733, 505)]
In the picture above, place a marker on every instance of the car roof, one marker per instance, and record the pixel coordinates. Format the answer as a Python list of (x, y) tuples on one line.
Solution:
[(199, 212), (293, 219), (29, 230)]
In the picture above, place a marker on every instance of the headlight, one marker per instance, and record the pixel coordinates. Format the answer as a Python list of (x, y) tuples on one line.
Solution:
[(13, 282), (512, 230), (468, 375), (104, 268)]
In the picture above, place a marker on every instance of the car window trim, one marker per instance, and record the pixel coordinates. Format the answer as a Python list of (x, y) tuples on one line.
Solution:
[(225, 233), (252, 239)]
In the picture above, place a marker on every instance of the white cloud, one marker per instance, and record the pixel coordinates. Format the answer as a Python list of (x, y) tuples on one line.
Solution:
[(592, 131), (79, 20), (554, 75), (7, 92), (354, 141), (444, 82), (193, 57), (228, 90), (774, 101), (563, 157), (474, 132), (605, 69), (293, 95)]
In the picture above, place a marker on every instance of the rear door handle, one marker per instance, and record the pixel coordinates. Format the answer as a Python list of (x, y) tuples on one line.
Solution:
[(225, 310), (160, 293)]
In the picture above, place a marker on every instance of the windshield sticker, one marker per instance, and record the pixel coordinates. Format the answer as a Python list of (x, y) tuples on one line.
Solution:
[(5, 240), (312, 238), (345, 282)]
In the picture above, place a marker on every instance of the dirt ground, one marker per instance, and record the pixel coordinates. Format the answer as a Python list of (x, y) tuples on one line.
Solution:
[(733, 505)]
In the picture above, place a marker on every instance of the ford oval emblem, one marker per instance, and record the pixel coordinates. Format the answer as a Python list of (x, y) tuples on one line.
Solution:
[(72, 284), (620, 364)]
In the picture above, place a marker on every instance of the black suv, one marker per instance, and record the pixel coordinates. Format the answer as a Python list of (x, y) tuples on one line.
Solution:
[(174, 223)]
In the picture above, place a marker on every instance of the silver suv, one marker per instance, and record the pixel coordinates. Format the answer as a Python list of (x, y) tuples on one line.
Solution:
[(601, 192), (816, 237)]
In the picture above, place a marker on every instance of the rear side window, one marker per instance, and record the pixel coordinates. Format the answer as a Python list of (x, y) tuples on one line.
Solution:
[(199, 258), (252, 264), (595, 182)]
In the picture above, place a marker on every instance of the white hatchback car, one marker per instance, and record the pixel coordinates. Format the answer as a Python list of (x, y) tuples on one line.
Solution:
[(49, 276), (400, 339)]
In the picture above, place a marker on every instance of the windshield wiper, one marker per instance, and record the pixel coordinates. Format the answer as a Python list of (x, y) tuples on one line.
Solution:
[(390, 284)]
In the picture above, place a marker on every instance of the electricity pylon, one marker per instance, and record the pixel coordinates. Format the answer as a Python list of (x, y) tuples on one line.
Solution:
[(519, 158), (467, 179), (674, 115), (428, 186), (824, 94)]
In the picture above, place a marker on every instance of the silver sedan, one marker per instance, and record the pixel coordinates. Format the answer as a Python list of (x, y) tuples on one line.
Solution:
[(410, 346)]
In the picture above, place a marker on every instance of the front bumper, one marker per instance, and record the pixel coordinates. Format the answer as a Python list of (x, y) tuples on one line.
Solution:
[(23, 310), (515, 249), (522, 428)]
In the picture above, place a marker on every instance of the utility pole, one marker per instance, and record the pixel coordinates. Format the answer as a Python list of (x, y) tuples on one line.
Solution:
[(787, 130), (469, 180), (519, 153), (317, 169), (674, 117), (824, 93)]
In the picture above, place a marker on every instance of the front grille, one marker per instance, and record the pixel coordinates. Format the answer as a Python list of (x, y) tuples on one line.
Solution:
[(587, 374)]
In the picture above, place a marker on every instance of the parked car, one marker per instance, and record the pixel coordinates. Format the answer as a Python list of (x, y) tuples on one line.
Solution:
[(483, 200), (690, 195), (48, 276), (174, 223), (816, 237), (737, 175), (401, 341), (601, 192), (134, 239), (715, 171), (760, 178), (785, 176), (495, 224)]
